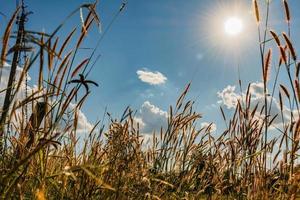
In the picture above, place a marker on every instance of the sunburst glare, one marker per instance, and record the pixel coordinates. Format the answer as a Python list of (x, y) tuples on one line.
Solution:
[(229, 30), (233, 26)]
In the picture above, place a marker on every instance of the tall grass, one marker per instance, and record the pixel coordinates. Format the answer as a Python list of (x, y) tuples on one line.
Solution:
[(39, 144)]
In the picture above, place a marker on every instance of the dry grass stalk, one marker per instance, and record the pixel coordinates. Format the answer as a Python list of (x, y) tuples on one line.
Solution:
[(290, 46), (267, 66), (287, 11), (275, 37), (256, 11), (7, 35), (185, 161)]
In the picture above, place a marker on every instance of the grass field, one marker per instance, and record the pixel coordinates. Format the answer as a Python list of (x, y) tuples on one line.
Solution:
[(40, 153)]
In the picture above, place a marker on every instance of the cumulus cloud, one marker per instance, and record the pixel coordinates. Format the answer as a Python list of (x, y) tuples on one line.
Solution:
[(229, 98), (83, 124), (152, 78), (5, 70), (151, 118)]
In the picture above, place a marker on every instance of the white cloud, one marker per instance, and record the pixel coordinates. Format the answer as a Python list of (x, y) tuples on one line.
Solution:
[(5, 70), (229, 97), (83, 125), (147, 141), (151, 118), (153, 78), (211, 127)]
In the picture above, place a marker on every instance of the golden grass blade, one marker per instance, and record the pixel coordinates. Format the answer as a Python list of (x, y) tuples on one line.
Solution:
[(181, 98), (67, 40), (96, 16), (297, 87), (287, 11), (62, 65), (83, 34), (297, 70), (290, 46), (267, 67), (256, 11), (62, 78), (40, 81), (283, 55), (285, 90), (275, 37), (7, 35), (51, 53), (223, 114), (280, 101), (78, 68), (98, 180)]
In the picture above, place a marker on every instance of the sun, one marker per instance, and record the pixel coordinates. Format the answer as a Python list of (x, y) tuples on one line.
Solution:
[(233, 26)]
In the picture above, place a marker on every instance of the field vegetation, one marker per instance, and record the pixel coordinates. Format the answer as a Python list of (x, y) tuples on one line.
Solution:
[(42, 158)]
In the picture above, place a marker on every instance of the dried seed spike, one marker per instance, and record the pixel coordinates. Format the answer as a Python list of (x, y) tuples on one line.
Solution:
[(223, 114), (6, 36), (256, 11), (280, 61), (297, 70), (248, 91), (77, 69), (49, 53), (267, 66), (297, 89), (61, 66), (40, 81), (287, 11), (283, 55), (280, 101), (182, 96), (290, 46), (83, 34), (285, 90), (66, 42), (275, 37), (95, 15), (52, 53)]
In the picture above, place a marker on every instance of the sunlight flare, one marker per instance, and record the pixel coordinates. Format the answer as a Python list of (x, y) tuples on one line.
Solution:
[(233, 26)]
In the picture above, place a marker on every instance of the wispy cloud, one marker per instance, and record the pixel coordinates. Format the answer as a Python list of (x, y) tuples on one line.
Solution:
[(152, 78)]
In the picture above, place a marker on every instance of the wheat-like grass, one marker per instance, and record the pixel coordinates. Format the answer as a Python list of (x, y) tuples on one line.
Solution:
[(45, 159), (287, 11)]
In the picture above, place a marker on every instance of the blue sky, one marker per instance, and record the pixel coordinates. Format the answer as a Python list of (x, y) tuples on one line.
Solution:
[(182, 40)]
